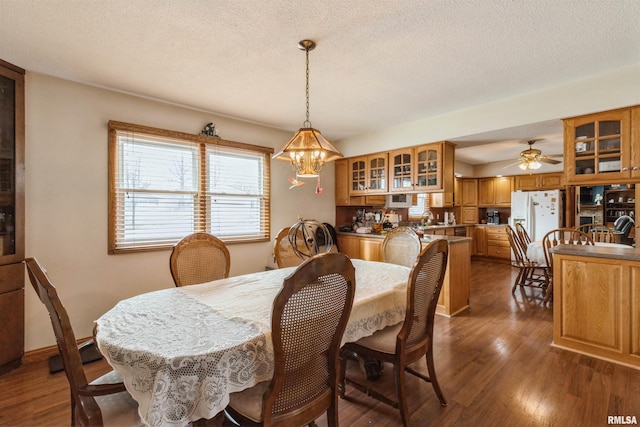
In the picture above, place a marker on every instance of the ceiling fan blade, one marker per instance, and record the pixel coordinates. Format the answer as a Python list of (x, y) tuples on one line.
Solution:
[(545, 159), (512, 164)]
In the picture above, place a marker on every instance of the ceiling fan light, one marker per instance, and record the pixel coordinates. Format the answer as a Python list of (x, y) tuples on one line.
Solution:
[(535, 164), (523, 166)]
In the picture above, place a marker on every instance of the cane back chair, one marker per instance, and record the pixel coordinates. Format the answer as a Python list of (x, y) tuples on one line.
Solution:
[(411, 339), (199, 258), (309, 318)]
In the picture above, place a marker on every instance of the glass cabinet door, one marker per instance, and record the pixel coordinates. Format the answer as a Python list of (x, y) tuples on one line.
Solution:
[(428, 169), (377, 166), (598, 146), (8, 133), (401, 170), (358, 175)]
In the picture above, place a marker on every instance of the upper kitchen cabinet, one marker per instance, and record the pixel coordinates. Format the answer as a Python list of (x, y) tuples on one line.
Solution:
[(342, 182), (541, 181), (493, 192), (427, 168), (602, 148), (343, 188), (368, 174), (11, 216), (469, 192)]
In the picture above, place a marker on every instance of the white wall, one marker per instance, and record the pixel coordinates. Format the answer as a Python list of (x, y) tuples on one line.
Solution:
[(66, 198), (615, 89)]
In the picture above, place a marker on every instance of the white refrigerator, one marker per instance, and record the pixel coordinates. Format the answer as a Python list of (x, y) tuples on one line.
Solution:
[(538, 211)]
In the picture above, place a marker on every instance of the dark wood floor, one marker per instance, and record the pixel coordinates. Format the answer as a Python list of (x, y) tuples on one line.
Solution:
[(494, 362)]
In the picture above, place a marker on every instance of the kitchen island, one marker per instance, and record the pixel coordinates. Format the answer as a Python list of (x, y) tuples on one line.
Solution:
[(596, 302), (454, 297)]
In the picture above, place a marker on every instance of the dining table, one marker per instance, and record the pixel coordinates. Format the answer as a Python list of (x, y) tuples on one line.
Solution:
[(182, 351), (535, 250)]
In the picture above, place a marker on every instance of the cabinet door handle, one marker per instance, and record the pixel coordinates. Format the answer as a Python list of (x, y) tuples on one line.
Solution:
[(625, 169), (635, 168)]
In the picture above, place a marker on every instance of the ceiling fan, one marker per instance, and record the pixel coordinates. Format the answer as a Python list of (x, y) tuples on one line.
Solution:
[(532, 158)]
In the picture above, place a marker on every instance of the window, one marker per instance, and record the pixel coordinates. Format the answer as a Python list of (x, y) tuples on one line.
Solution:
[(421, 207), (164, 185)]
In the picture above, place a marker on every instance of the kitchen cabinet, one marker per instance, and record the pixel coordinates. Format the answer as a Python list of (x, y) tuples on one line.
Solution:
[(371, 249), (457, 191), (349, 245), (469, 215), (426, 168), (494, 192), (368, 174), (441, 200), (469, 192), (602, 148), (542, 181), (342, 188), (11, 216), (367, 248), (341, 168), (596, 307), (497, 242)]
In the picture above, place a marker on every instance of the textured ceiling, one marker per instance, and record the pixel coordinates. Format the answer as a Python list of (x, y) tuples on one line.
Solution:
[(378, 63)]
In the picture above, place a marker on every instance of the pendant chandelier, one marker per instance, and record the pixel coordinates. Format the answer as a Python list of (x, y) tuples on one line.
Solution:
[(308, 150)]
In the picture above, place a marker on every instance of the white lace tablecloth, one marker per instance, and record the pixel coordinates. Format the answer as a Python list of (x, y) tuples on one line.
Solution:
[(536, 254), (182, 351)]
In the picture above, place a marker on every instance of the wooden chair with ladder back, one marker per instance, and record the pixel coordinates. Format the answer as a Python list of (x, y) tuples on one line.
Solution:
[(102, 402), (560, 236)]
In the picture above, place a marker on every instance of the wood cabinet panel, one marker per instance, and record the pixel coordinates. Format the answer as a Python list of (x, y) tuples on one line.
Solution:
[(342, 182), (469, 215), (349, 245), (486, 192), (371, 249), (590, 302), (12, 330), (596, 307), (469, 192), (534, 182), (634, 301)]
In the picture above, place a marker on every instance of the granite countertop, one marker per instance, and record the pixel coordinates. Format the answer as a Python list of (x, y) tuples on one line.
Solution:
[(427, 238), (610, 252)]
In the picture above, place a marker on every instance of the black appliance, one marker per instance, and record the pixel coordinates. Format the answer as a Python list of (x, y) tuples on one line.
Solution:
[(493, 217)]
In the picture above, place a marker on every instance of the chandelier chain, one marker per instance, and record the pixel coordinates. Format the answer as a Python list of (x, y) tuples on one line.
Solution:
[(307, 123)]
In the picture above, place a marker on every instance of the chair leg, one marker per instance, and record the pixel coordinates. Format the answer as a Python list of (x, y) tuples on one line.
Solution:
[(434, 378), (402, 399)]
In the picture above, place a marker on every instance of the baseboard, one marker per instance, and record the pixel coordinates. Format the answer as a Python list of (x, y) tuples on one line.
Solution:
[(47, 353)]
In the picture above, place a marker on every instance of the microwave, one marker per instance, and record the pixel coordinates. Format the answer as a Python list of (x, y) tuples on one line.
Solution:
[(399, 201)]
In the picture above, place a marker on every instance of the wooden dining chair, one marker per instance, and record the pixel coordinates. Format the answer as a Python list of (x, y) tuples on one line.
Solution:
[(523, 234), (529, 273), (104, 401), (401, 246), (598, 233), (560, 236), (409, 341), (199, 258), (309, 317)]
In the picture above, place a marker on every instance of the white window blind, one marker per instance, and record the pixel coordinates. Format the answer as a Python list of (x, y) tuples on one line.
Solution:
[(165, 185), (421, 207)]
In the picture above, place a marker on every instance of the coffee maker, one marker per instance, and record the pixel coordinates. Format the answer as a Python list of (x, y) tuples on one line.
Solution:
[(493, 217)]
